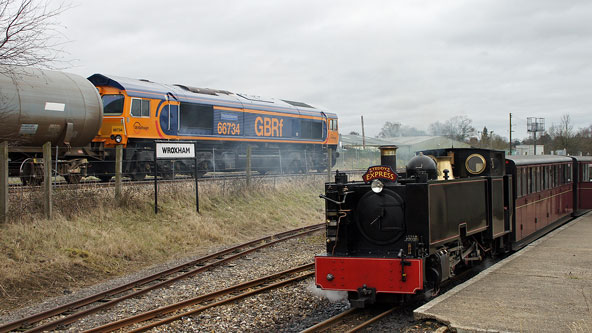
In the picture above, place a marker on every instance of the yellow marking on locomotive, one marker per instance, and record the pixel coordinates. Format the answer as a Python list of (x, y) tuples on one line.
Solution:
[(265, 126)]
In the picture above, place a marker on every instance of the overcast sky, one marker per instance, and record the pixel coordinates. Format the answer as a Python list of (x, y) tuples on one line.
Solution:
[(412, 62)]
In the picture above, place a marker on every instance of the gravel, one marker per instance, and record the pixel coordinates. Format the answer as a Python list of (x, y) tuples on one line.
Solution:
[(287, 309)]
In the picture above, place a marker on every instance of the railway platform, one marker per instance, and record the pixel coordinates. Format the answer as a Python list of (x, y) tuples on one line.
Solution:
[(545, 287)]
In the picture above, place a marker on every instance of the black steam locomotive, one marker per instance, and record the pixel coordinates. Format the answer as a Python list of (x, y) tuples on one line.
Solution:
[(399, 234)]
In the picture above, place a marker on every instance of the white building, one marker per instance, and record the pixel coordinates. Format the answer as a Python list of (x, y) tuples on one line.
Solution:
[(529, 149)]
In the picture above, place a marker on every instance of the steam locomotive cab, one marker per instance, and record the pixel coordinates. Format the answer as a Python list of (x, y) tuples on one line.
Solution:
[(393, 235)]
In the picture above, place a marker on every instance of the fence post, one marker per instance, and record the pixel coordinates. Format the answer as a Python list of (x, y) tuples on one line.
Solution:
[(281, 169), (195, 162), (55, 180), (3, 182), (214, 161), (118, 171), (248, 165), (47, 180), (329, 163)]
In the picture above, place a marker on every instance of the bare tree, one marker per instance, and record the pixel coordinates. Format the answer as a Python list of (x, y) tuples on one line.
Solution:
[(29, 37), (563, 134), (29, 34), (457, 127), (437, 128), (390, 130)]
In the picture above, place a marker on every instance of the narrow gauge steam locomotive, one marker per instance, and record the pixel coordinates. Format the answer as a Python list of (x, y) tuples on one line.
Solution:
[(86, 117), (395, 235)]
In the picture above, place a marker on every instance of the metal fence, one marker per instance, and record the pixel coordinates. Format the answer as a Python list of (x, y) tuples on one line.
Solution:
[(357, 159), (230, 168)]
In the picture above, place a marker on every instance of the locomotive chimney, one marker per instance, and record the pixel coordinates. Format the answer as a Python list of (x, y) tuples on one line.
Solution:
[(388, 156)]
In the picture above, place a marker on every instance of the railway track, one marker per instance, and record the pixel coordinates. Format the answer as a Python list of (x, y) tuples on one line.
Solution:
[(78, 309), (351, 320), (207, 301), (18, 187)]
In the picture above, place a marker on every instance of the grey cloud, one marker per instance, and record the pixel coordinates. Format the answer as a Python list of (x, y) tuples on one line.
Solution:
[(408, 61)]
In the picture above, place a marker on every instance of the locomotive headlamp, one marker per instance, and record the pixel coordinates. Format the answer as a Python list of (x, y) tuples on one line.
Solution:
[(376, 186), (118, 138)]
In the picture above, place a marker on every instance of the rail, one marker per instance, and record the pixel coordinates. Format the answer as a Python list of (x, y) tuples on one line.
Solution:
[(141, 285), (207, 297), (349, 315)]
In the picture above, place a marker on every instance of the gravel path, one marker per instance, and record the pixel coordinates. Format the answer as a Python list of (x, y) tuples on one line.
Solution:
[(287, 309)]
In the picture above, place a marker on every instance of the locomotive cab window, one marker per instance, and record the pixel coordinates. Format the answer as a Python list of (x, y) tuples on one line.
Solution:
[(113, 104), (140, 107), (333, 124), (475, 164)]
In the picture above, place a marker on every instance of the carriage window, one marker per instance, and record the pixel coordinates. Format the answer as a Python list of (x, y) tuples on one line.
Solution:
[(563, 174), (548, 175), (569, 173), (586, 173), (538, 179), (529, 176), (520, 182), (140, 107), (541, 175), (524, 181)]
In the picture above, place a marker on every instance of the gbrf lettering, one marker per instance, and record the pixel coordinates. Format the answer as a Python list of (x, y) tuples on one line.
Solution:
[(265, 126)]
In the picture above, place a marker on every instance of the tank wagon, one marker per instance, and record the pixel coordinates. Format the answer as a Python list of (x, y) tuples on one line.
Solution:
[(37, 106), (394, 235)]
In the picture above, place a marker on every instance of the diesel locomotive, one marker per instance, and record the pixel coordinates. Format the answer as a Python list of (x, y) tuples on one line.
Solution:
[(398, 234), (86, 118)]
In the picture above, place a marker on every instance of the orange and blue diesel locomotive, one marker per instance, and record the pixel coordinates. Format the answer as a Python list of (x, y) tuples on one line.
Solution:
[(137, 112), (84, 118), (393, 235)]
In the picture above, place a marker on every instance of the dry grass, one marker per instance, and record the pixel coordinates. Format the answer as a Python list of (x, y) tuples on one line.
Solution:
[(93, 237)]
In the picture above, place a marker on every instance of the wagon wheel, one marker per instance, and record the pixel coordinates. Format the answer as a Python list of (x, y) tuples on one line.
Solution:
[(104, 178), (140, 170), (73, 179), (203, 167), (295, 166), (31, 180), (137, 175), (28, 176)]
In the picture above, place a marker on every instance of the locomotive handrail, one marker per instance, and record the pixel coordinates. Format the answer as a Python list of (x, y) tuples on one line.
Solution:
[(322, 196)]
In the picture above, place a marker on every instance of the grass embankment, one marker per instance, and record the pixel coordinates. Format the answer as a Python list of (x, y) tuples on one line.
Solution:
[(93, 237)]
